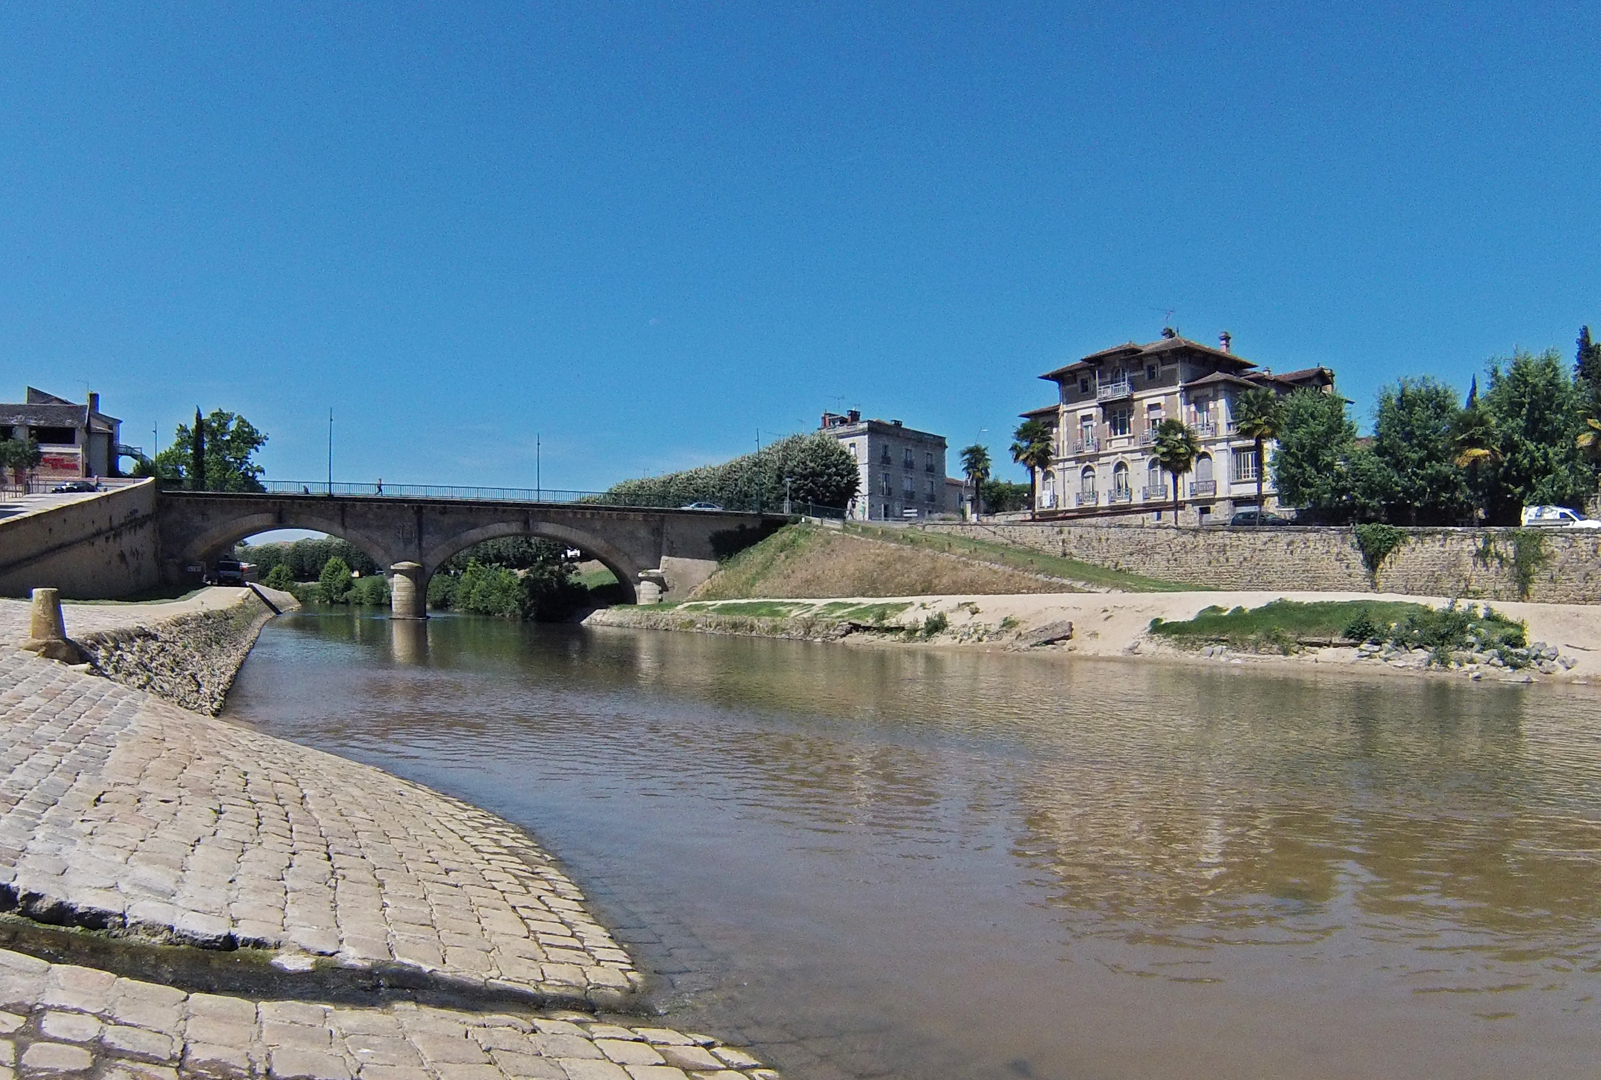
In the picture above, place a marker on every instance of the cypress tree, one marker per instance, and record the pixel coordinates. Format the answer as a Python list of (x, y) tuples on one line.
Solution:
[(1587, 369), (197, 454)]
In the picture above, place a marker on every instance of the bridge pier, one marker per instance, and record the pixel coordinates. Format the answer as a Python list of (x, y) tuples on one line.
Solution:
[(407, 597)]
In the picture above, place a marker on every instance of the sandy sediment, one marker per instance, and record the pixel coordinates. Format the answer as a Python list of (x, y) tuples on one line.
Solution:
[(1117, 624)]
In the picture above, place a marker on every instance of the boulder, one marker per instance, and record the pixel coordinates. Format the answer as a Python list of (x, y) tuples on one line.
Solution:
[(1049, 634)]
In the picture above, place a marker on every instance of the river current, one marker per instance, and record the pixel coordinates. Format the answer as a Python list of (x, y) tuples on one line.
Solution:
[(932, 863)]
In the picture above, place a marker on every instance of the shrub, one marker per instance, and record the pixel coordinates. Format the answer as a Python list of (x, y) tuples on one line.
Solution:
[(335, 580), (1377, 542), (279, 578), (372, 591)]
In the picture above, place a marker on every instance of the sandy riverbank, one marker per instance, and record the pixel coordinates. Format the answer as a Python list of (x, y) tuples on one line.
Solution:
[(1117, 624)]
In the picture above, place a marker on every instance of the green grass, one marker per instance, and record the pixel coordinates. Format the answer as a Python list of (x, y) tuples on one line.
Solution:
[(846, 611), (756, 609), (595, 579), (1019, 558), (1284, 624)]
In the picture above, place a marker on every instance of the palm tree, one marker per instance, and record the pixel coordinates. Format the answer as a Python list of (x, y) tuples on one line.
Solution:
[(976, 467), (1589, 440), (1033, 450), (1257, 415), (1475, 437), (1176, 449)]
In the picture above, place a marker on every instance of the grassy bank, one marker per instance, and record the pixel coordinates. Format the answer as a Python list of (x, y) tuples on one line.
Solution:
[(809, 561), (1023, 559), (1286, 625)]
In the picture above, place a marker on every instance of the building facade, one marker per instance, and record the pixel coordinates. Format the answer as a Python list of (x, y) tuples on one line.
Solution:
[(1104, 425), (77, 441), (902, 470)]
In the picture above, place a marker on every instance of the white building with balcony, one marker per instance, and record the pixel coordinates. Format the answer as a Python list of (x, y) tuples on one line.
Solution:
[(1104, 423)]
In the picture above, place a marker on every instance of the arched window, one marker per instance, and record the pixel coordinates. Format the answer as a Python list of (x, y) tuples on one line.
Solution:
[(1120, 477), (1048, 490), (1203, 484), (1203, 467), (1086, 480), (1155, 480)]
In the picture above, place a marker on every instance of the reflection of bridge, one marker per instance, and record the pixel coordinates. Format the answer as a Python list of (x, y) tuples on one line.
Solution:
[(651, 550)]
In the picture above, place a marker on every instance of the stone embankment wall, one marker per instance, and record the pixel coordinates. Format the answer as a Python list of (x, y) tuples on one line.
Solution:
[(98, 548), (191, 659), (1558, 566)]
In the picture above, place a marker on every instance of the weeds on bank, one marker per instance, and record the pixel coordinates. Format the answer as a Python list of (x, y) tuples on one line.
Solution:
[(1284, 626)]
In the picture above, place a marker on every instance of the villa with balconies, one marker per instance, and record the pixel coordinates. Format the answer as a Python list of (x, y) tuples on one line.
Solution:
[(1104, 424)]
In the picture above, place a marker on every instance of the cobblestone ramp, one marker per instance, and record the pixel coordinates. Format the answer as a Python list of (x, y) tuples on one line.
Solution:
[(60, 1019), (121, 812)]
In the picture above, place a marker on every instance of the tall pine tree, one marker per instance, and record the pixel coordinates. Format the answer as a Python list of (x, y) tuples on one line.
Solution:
[(197, 454)]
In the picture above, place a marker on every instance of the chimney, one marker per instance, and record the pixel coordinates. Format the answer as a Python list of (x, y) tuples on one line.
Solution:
[(1224, 340), (855, 415), (1168, 333), (94, 402)]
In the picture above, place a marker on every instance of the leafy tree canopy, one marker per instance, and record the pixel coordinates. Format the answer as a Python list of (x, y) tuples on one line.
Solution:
[(229, 443), (1538, 414), (1415, 442), (1311, 466)]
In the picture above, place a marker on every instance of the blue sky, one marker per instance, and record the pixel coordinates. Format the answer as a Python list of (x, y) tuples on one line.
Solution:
[(649, 232)]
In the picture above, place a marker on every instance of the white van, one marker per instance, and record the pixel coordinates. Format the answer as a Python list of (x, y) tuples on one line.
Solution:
[(1556, 517)]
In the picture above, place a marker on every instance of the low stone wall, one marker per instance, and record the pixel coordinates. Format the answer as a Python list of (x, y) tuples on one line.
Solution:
[(190, 660), (98, 548), (1561, 567)]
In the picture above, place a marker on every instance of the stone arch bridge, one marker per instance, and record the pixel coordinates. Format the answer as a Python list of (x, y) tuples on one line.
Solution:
[(653, 552)]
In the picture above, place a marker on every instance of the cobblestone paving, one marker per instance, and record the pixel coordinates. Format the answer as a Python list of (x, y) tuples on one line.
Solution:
[(58, 1019), (120, 811)]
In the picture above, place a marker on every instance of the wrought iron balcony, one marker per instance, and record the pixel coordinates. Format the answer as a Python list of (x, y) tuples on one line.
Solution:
[(1111, 391), (1203, 487), (1088, 498), (1154, 494), (1086, 446), (1148, 436), (1206, 429), (1121, 495)]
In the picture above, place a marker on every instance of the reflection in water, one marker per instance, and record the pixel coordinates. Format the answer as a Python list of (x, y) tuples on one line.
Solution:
[(944, 863)]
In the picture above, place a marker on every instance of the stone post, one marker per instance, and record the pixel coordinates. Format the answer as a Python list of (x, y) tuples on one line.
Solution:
[(47, 631), (652, 587), (407, 600)]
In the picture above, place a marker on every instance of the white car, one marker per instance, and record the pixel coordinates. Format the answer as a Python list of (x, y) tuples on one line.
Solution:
[(1559, 517)]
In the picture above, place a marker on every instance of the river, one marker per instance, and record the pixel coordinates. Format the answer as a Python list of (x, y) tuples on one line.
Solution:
[(933, 863)]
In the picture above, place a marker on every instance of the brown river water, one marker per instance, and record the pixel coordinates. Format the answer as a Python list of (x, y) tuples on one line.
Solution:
[(946, 864)]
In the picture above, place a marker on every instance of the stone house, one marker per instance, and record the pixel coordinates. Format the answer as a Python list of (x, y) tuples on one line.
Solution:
[(76, 440), (1104, 424), (902, 469)]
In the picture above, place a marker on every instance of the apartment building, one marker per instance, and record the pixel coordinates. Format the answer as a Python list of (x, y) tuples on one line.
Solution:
[(76, 440), (1104, 423), (902, 469)]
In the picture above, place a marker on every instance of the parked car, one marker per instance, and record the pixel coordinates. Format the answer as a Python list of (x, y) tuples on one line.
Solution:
[(1254, 517), (1557, 517), (228, 572), (72, 486), (700, 506)]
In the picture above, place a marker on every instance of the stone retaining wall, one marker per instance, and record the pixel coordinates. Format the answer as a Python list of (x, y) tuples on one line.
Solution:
[(190, 660), (1478, 563), (96, 548)]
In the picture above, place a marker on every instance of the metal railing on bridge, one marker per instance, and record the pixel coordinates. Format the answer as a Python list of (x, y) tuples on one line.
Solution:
[(481, 493)]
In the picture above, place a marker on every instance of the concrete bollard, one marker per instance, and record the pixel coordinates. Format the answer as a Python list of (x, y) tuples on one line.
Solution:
[(47, 630), (406, 597)]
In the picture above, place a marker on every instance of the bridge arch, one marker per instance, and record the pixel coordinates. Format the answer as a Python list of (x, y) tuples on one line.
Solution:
[(613, 558), (210, 544)]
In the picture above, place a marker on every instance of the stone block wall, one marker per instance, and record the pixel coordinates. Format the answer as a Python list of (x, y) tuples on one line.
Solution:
[(98, 548), (1470, 563)]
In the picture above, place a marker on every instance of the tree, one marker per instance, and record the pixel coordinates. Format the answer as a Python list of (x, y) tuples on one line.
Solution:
[(18, 455), (1003, 496), (1312, 464), (976, 467), (820, 470), (197, 454), (279, 578), (1256, 416), (216, 453), (1587, 370), (335, 580), (1415, 441), (1589, 440), (1176, 449), (1538, 415), (1033, 449)]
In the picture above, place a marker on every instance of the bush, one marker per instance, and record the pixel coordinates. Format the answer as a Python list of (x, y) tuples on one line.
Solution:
[(279, 578), (334, 581), (821, 471), (370, 591)]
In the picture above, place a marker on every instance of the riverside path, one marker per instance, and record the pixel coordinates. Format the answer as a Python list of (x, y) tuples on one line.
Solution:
[(466, 951)]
